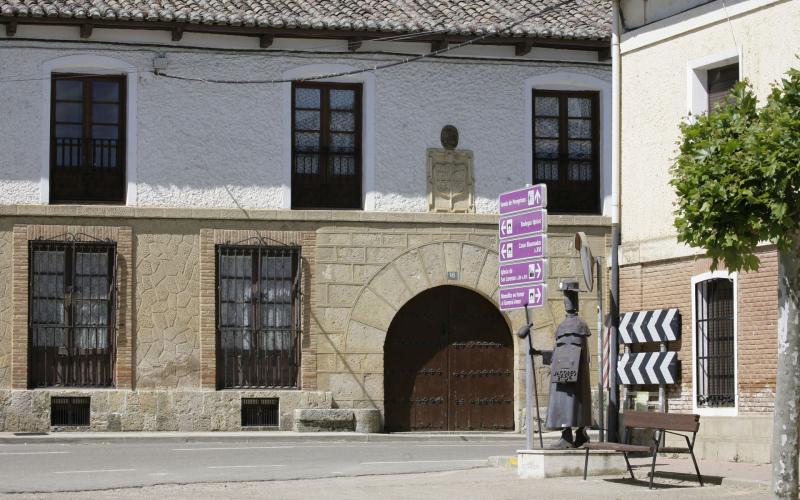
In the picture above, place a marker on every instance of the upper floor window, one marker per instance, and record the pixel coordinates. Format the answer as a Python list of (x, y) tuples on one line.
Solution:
[(326, 145), (715, 354), (87, 139), (720, 82), (566, 149), (258, 316), (71, 314)]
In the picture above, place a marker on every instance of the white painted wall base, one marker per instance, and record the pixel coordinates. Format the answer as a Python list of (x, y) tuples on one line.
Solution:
[(539, 464)]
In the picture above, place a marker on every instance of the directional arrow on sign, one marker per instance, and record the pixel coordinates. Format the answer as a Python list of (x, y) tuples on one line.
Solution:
[(536, 269), (507, 250), (537, 197), (507, 227), (535, 296)]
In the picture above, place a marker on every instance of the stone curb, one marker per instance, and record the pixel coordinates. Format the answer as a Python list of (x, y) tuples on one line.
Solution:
[(254, 436)]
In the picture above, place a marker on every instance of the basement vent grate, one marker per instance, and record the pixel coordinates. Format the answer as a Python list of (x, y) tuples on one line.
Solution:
[(69, 411), (259, 412)]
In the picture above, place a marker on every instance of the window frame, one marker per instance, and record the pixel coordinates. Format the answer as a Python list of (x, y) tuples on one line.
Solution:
[(734, 278), (117, 194), (564, 184), (296, 308), (697, 78), (71, 246), (358, 177)]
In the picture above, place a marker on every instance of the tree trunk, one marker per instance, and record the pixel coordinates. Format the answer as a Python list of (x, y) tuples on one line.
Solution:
[(785, 438)]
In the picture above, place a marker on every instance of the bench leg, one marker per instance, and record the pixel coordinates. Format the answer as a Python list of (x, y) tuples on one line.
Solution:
[(627, 462), (586, 464), (694, 460), (653, 466), (696, 468)]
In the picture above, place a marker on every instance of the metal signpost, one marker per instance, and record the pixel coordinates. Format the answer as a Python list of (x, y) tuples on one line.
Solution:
[(523, 270)]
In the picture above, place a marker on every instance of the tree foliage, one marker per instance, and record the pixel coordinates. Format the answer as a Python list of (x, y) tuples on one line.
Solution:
[(737, 175)]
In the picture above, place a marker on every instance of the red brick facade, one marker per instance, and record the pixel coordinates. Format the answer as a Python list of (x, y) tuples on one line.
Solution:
[(665, 284)]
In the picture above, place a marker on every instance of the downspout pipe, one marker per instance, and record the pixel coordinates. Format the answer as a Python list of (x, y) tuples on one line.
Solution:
[(613, 389)]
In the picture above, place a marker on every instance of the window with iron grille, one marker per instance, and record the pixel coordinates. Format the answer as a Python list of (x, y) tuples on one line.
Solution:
[(566, 149), (714, 343), (70, 411), (71, 314), (720, 82), (258, 316), (87, 139), (326, 145), (259, 412)]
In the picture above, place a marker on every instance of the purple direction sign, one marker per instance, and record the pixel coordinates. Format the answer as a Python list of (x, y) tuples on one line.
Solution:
[(530, 247), (532, 222), (523, 199), (523, 273), (518, 298)]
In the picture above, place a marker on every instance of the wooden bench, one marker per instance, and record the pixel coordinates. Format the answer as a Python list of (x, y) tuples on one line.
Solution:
[(661, 423)]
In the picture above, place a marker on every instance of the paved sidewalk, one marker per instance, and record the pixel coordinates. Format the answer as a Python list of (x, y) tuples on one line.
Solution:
[(486, 483), (254, 436)]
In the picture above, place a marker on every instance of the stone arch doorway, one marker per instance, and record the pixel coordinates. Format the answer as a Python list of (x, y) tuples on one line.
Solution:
[(448, 364)]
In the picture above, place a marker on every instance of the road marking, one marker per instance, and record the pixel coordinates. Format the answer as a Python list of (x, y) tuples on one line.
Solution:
[(159, 474), (465, 445), (241, 466), (33, 452), (235, 448), (92, 471), (423, 462)]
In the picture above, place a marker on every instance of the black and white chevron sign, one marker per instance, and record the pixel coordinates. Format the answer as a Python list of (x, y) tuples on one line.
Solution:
[(661, 325), (648, 368)]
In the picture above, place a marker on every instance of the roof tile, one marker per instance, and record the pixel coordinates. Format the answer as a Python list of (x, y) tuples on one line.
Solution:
[(575, 19)]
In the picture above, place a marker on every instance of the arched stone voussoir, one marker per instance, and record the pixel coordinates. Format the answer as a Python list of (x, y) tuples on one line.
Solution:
[(389, 285), (458, 263), (373, 310)]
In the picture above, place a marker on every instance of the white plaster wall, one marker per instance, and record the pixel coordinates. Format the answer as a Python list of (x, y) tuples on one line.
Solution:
[(655, 98), (199, 144)]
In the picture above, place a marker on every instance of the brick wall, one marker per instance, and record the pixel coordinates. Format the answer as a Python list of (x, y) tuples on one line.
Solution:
[(668, 284), (22, 234)]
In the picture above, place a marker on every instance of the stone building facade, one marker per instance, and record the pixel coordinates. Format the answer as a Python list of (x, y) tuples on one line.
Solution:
[(679, 57), (361, 269), (212, 148)]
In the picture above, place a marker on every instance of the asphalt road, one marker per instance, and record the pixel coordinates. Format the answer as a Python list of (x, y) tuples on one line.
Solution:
[(91, 466)]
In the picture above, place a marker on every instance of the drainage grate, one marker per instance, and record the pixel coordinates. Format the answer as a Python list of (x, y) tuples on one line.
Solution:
[(259, 412), (69, 411)]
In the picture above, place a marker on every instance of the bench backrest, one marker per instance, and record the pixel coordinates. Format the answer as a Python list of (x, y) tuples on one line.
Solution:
[(658, 420)]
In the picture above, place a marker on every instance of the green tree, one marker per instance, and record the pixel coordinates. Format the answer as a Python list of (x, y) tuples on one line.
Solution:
[(737, 179)]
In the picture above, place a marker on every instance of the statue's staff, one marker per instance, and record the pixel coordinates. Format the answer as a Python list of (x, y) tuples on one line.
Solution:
[(530, 382)]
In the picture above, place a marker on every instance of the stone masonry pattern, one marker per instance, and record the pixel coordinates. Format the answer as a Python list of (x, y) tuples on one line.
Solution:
[(357, 275)]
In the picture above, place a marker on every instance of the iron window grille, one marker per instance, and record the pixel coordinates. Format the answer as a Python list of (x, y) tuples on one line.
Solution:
[(259, 412), (566, 149), (71, 312), (714, 342), (326, 145), (70, 411), (258, 315), (87, 139)]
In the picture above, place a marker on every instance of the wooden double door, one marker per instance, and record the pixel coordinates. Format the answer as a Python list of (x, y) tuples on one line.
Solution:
[(448, 362)]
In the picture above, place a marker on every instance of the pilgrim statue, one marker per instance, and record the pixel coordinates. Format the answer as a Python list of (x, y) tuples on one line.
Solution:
[(570, 392)]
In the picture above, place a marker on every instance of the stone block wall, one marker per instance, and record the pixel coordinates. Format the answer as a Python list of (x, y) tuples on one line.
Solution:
[(148, 410), (360, 269)]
